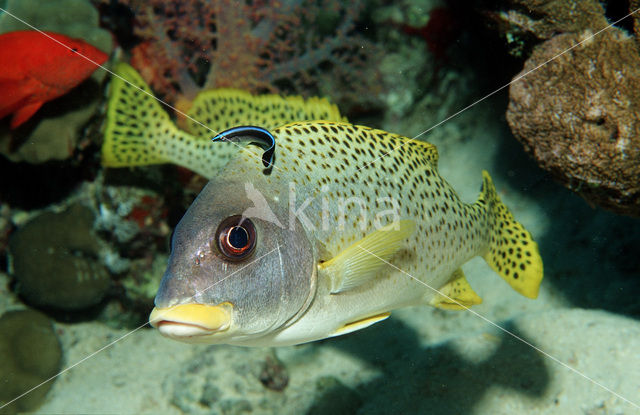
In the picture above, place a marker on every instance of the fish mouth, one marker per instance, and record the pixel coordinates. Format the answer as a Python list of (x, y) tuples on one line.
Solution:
[(187, 321)]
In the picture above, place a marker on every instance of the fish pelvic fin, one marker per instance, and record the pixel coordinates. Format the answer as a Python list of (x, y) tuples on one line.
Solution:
[(512, 252), (139, 132)]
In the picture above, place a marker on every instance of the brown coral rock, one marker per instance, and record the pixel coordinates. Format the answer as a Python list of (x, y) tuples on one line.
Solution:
[(546, 18), (578, 116)]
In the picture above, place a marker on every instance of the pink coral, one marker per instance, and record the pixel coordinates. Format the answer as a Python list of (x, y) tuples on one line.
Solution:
[(259, 46)]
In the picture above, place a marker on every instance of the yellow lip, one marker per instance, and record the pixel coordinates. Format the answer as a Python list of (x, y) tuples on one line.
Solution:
[(191, 320)]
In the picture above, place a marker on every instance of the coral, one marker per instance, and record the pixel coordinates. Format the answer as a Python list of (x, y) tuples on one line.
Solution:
[(440, 31), (578, 116), (54, 259), (525, 22), (142, 282), (31, 354), (54, 131), (134, 219), (258, 46)]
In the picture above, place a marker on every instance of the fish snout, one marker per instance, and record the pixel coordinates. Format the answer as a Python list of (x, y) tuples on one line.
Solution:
[(185, 321)]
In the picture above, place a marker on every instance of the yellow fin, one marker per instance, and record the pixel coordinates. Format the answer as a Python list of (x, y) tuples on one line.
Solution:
[(221, 109), (139, 132), (130, 109), (456, 294), (426, 150), (360, 324), (512, 253), (360, 262)]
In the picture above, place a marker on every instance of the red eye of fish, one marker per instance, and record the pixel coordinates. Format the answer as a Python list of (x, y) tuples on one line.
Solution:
[(236, 238)]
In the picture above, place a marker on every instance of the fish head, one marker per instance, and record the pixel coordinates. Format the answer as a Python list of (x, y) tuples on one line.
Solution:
[(235, 273)]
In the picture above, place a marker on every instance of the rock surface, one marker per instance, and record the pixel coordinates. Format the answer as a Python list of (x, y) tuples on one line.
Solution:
[(578, 115)]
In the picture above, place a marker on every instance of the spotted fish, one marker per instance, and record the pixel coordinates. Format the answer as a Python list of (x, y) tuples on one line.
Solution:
[(138, 132), (349, 224)]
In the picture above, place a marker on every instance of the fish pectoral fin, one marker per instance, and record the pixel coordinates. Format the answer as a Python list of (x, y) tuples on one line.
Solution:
[(360, 324), (457, 294), (24, 113), (361, 261)]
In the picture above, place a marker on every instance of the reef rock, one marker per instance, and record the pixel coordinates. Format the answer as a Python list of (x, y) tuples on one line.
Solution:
[(31, 354), (577, 115), (54, 259), (526, 22)]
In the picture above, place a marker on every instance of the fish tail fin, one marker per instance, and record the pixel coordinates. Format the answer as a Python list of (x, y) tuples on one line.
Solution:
[(512, 252), (138, 131)]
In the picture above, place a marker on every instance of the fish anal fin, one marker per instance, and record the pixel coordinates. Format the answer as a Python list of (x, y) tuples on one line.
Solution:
[(512, 252), (360, 324), (25, 112), (360, 262), (457, 294)]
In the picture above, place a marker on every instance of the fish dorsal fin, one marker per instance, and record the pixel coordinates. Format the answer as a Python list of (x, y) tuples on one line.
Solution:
[(221, 109), (360, 262), (426, 150), (456, 294)]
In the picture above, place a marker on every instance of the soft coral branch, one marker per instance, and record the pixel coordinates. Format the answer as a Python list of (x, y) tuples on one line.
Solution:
[(259, 46)]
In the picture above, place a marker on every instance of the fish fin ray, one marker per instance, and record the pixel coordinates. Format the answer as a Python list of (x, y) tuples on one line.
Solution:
[(512, 252), (360, 262), (456, 294)]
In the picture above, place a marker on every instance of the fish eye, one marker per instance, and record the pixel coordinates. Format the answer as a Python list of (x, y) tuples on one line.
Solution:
[(236, 238)]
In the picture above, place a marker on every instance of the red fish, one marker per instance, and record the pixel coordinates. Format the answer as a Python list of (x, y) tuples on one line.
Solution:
[(35, 69)]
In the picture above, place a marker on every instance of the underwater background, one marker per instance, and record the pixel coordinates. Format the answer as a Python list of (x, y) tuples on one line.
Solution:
[(542, 94)]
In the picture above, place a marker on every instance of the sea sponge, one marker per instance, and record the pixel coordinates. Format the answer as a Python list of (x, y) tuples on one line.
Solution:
[(524, 23), (54, 259), (578, 115), (31, 354), (54, 130)]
